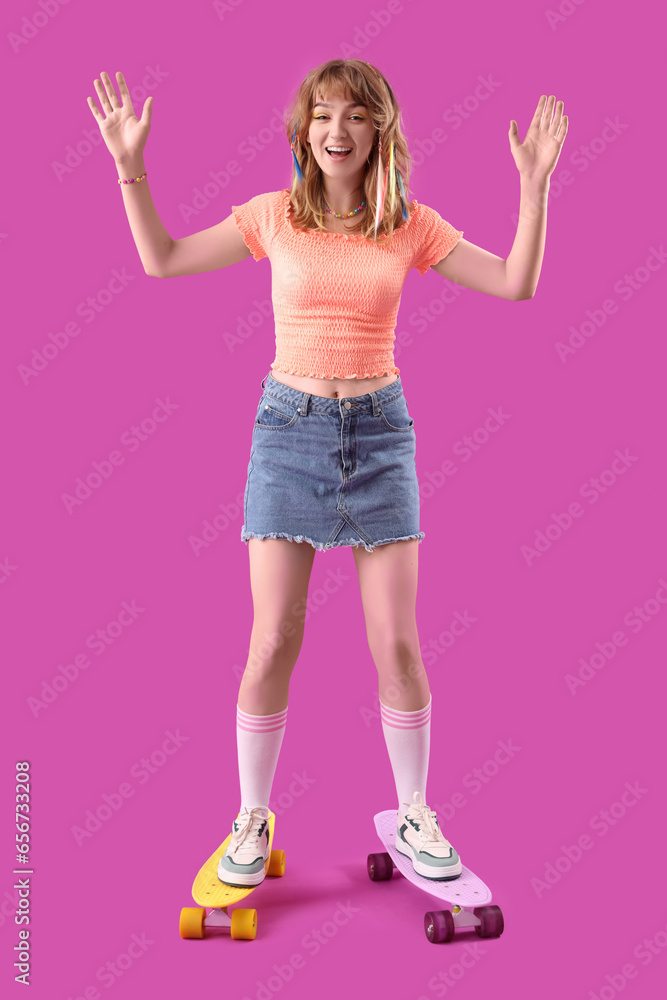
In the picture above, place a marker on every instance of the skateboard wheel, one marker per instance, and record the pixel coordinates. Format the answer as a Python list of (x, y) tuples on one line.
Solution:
[(191, 924), (244, 925), (439, 926), (380, 867), (491, 921), (276, 863)]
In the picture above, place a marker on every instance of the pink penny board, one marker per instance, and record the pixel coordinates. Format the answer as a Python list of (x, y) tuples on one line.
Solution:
[(469, 896)]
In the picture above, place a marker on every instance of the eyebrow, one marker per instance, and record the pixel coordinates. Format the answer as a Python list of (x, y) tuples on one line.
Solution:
[(322, 104)]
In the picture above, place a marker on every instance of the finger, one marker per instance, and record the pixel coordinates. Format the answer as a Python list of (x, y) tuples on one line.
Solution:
[(111, 92), (562, 131), (103, 97), (124, 92), (558, 114), (537, 117), (548, 113), (147, 111), (95, 110), (514, 135)]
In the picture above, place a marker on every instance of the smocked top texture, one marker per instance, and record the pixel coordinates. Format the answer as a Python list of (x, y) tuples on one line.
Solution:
[(336, 295)]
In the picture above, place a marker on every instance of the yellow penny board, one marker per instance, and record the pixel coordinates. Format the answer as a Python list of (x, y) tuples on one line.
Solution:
[(208, 890)]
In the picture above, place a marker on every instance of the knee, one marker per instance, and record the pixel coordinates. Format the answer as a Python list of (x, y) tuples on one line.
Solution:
[(401, 650), (273, 650)]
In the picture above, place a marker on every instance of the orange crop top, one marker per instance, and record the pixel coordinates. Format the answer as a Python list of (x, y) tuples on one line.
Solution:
[(336, 295)]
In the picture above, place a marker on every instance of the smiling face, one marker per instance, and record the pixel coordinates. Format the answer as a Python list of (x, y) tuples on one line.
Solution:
[(339, 122)]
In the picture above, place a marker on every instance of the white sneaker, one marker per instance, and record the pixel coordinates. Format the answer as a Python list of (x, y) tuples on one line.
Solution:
[(420, 838), (243, 862)]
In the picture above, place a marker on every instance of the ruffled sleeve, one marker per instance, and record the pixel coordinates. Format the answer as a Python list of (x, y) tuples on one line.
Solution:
[(433, 238), (255, 222)]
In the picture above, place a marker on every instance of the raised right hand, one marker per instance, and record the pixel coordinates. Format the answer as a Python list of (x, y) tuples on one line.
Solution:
[(124, 134)]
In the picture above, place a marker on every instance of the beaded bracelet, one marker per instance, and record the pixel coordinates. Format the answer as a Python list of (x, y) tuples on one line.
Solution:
[(131, 180)]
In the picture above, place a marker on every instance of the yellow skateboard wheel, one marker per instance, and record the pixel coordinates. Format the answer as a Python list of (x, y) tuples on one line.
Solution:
[(191, 924), (244, 925), (276, 863)]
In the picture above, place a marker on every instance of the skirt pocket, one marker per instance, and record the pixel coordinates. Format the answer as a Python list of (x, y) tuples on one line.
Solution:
[(275, 414), (395, 415)]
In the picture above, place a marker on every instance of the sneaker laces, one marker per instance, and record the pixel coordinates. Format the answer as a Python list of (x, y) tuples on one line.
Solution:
[(247, 822), (429, 831)]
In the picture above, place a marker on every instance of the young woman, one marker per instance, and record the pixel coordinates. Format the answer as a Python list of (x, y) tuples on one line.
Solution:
[(332, 461)]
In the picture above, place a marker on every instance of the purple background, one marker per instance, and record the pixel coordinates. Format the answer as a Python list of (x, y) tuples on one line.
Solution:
[(221, 75)]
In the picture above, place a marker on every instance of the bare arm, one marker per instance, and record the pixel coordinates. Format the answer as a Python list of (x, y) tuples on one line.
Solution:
[(164, 257), (161, 256), (517, 277)]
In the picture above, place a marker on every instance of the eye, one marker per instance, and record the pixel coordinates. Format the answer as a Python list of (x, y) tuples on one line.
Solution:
[(319, 117)]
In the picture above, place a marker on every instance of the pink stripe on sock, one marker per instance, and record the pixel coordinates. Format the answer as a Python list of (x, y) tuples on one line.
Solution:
[(406, 720), (260, 723), (262, 729)]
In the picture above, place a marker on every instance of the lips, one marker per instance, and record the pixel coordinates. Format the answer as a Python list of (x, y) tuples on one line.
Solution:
[(337, 156)]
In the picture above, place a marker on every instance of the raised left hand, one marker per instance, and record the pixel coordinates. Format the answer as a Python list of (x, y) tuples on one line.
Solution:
[(537, 155)]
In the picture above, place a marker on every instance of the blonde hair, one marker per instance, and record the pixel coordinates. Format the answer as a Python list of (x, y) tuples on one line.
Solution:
[(364, 84)]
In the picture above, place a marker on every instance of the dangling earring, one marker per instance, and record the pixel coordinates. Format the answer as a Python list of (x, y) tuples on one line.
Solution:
[(404, 197), (379, 194), (296, 162)]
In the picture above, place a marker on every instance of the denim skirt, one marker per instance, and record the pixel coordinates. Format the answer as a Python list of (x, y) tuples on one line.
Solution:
[(332, 472)]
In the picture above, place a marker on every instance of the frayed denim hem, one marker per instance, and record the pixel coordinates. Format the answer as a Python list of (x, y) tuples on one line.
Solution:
[(321, 546)]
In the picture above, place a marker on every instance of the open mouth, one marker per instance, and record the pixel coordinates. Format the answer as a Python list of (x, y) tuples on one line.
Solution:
[(337, 152)]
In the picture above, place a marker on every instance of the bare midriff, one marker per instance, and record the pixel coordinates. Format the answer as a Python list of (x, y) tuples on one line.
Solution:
[(334, 388)]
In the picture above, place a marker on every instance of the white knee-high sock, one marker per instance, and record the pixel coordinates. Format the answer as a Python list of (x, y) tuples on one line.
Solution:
[(408, 739), (258, 741)]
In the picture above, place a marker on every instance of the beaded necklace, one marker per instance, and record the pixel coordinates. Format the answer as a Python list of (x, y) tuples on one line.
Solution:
[(341, 215)]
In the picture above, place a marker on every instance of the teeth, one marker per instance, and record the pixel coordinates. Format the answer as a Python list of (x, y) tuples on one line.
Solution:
[(338, 149)]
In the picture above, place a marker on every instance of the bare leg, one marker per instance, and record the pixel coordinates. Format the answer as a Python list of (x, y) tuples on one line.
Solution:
[(388, 584), (279, 577)]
